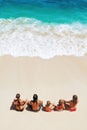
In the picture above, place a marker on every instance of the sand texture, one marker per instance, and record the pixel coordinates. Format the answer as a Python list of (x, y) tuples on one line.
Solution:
[(52, 79)]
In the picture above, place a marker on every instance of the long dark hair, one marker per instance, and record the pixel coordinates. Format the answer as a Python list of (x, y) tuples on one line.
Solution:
[(18, 97), (35, 98), (75, 98)]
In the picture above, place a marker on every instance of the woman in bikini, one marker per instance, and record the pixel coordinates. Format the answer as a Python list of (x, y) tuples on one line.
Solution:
[(35, 104), (71, 105), (18, 103)]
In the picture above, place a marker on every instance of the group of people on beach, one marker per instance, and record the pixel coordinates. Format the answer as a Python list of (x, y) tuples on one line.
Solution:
[(36, 105)]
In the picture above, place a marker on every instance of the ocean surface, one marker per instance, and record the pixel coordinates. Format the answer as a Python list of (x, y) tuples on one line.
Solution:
[(44, 28)]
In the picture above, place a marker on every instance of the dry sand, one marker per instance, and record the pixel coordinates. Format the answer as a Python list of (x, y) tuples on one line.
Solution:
[(59, 77)]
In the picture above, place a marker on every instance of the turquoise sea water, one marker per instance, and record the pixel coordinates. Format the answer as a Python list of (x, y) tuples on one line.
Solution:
[(43, 28), (58, 11)]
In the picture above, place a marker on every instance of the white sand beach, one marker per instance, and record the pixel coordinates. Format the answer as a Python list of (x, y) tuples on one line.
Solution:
[(52, 79)]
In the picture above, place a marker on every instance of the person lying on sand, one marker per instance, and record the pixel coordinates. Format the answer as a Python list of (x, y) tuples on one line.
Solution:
[(48, 107), (71, 105), (19, 103), (60, 106), (35, 104)]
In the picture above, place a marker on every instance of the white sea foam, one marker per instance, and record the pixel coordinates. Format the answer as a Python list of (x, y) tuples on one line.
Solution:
[(29, 37)]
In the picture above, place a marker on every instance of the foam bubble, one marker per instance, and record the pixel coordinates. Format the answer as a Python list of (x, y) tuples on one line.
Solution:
[(29, 37)]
